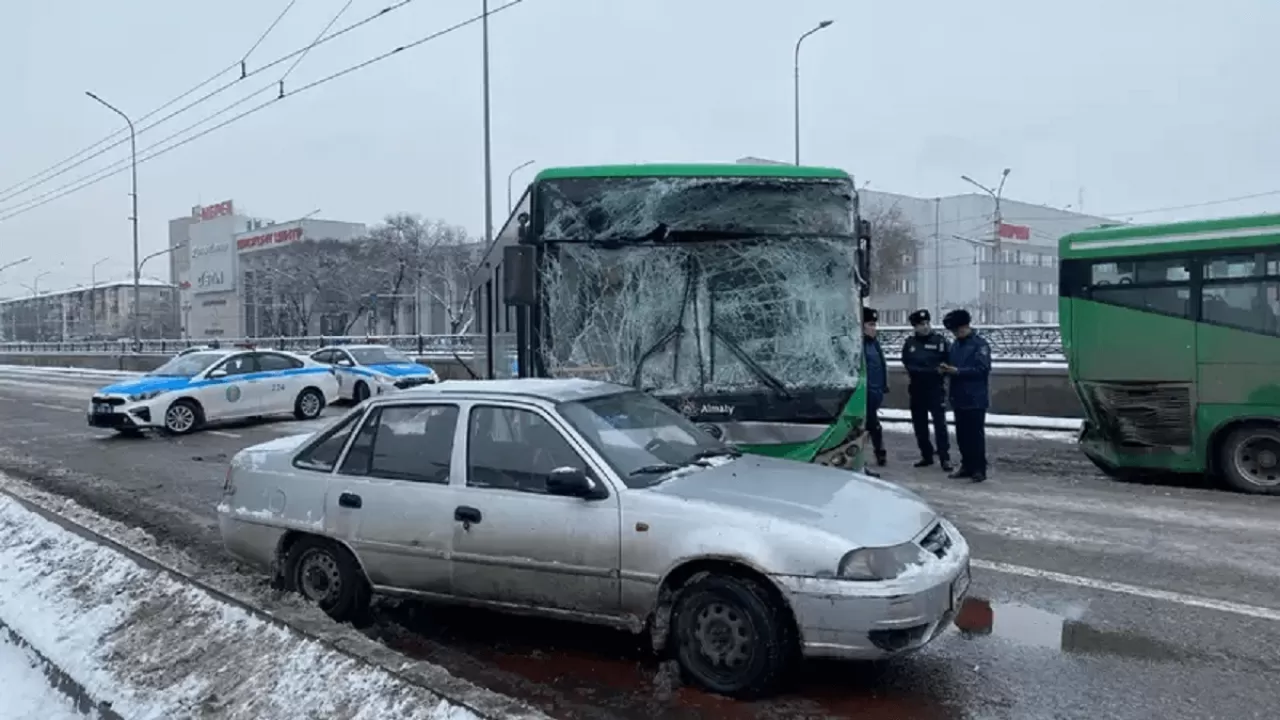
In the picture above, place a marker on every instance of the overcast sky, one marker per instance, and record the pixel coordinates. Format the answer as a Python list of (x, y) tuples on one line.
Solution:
[(1143, 103)]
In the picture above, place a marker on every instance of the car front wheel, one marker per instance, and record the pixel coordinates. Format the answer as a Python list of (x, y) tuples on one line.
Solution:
[(731, 636), (182, 417), (309, 405)]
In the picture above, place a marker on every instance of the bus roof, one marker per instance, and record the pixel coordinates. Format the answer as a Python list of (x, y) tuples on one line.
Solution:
[(1189, 236), (691, 170)]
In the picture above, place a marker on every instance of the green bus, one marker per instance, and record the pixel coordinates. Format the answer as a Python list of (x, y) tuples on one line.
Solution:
[(731, 292), (1172, 338)]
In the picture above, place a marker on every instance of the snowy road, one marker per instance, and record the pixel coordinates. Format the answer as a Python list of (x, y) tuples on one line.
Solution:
[(1092, 599)]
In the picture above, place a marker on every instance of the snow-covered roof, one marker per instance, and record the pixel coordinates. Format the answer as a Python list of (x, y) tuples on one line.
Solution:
[(143, 282)]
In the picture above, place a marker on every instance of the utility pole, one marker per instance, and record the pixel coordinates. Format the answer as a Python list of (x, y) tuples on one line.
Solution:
[(821, 25), (488, 158), (137, 269), (996, 243), (93, 297)]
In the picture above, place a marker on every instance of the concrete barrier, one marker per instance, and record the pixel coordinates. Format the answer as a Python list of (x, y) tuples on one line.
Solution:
[(1016, 388)]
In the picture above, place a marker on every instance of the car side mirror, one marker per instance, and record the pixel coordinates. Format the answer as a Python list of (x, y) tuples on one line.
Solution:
[(571, 482), (219, 373)]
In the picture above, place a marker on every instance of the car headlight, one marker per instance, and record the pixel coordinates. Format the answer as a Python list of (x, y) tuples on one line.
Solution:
[(144, 396), (880, 563)]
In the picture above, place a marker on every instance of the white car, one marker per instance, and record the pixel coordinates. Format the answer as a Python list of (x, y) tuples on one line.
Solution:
[(365, 370), (213, 386)]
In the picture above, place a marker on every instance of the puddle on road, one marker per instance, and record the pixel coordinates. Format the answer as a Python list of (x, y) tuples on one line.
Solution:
[(1026, 625), (584, 673)]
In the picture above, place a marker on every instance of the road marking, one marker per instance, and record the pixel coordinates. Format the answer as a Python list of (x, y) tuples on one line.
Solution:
[(223, 433), (1253, 611), (63, 408)]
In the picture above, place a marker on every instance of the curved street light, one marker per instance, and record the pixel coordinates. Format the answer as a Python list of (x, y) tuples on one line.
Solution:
[(821, 26), (510, 175)]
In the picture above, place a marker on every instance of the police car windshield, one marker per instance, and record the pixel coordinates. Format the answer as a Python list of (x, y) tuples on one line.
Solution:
[(379, 356), (188, 365)]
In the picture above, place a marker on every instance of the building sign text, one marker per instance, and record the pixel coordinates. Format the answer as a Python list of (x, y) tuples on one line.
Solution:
[(271, 238), (209, 212)]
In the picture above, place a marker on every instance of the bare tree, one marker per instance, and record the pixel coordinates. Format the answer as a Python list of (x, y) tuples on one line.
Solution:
[(430, 257), (894, 245)]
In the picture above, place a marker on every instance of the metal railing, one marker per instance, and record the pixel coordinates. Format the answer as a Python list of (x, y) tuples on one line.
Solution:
[(1008, 342)]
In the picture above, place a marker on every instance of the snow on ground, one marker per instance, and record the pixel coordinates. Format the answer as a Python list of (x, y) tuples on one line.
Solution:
[(156, 647), (1025, 422), (27, 693)]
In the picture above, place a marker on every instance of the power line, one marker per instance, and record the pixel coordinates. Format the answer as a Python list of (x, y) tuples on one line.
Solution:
[(26, 185), (74, 187), (333, 20), (4, 194)]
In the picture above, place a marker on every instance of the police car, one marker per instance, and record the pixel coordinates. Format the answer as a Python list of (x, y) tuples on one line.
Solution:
[(212, 386), (365, 370)]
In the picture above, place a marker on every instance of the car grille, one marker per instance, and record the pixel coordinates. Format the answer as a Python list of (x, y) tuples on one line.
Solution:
[(936, 541), (412, 382), (104, 400)]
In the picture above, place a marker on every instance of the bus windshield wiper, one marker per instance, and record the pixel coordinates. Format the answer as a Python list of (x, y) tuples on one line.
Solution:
[(755, 368)]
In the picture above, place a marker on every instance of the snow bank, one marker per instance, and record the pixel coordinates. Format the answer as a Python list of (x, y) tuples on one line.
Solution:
[(65, 371), (27, 694), (156, 647)]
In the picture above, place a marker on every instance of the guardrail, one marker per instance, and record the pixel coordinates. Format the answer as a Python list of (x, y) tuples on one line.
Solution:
[(1008, 342)]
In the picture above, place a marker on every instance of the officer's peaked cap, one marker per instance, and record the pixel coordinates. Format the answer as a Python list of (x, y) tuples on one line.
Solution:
[(870, 315), (919, 316)]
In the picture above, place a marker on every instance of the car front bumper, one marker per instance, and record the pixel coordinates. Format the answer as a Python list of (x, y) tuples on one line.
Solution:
[(856, 620), (125, 415)]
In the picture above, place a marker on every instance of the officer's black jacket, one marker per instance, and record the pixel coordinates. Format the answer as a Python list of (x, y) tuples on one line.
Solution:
[(921, 356)]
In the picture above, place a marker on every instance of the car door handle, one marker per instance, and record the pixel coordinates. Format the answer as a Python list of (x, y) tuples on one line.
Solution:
[(350, 500), (468, 515)]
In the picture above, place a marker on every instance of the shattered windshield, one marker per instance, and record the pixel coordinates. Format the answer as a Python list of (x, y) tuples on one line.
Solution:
[(774, 308)]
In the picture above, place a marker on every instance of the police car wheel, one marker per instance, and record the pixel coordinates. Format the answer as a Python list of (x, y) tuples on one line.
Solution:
[(309, 405), (182, 417), (360, 392)]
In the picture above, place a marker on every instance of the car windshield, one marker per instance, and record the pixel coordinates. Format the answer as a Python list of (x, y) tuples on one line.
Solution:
[(379, 356), (642, 439), (188, 365)]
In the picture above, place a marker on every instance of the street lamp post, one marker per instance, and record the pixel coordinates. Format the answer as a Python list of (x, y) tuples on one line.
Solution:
[(6, 266), (137, 309), (997, 221), (137, 269), (822, 25), (488, 164), (510, 175), (34, 287), (93, 300)]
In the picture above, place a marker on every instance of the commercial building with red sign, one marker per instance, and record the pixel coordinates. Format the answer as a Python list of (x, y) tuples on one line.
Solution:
[(216, 253)]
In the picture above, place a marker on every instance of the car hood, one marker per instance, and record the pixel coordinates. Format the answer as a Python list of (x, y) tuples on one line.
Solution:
[(863, 510), (146, 384), (400, 369)]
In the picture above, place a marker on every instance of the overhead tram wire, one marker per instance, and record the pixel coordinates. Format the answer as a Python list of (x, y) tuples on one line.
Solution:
[(71, 188), (319, 35), (21, 186), (31, 183)]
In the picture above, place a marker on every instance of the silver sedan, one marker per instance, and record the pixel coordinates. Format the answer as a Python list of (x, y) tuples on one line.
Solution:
[(590, 501)]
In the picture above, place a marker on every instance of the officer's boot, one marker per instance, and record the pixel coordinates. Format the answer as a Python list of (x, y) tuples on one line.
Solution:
[(882, 457)]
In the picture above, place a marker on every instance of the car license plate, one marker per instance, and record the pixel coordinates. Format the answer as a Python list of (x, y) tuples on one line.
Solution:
[(101, 409), (959, 587)]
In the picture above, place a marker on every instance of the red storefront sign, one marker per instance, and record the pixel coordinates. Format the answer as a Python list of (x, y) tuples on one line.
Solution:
[(1015, 232), (209, 212), (271, 238)]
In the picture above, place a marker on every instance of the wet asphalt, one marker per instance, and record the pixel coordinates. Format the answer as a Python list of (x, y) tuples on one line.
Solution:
[(1090, 598)]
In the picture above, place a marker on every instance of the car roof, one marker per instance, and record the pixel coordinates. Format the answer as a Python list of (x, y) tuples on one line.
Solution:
[(365, 346), (551, 389)]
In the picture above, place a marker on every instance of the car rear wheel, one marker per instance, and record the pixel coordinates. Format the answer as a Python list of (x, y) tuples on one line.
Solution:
[(360, 392), (326, 574), (1250, 459), (731, 636), (309, 405), (182, 417)]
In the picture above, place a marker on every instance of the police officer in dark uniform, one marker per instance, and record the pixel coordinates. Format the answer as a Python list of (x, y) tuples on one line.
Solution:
[(877, 382), (969, 366), (922, 354)]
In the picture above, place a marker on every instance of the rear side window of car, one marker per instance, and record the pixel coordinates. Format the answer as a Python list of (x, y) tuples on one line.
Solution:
[(323, 356), (268, 362), (405, 442), (322, 455)]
